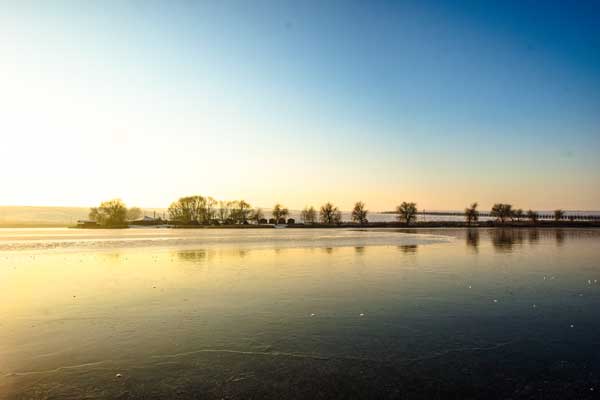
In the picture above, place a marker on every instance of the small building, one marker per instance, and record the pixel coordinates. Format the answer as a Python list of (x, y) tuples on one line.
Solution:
[(84, 223), (272, 221), (281, 221), (262, 221), (147, 221), (291, 221)]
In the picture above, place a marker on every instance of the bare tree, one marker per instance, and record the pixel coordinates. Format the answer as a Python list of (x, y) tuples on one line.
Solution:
[(559, 214), (518, 214), (502, 211), (240, 211), (471, 214), (337, 217), (279, 212), (208, 212), (330, 214), (257, 215), (223, 211), (309, 215), (533, 216), (187, 210), (233, 217), (407, 212), (359, 213), (109, 213)]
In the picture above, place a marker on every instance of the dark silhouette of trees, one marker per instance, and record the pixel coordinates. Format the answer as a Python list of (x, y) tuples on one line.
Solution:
[(337, 217), (258, 216), (109, 213), (192, 210), (504, 239), (184, 210), (196, 210), (223, 211), (533, 216), (502, 211), (240, 211), (309, 215), (330, 214), (359, 213), (208, 211), (518, 214), (558, 214), (201, 210), (471, 214), (407, 212), (279, 212), (473, 239)]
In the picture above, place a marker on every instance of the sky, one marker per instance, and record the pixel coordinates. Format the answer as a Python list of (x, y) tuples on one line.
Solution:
[(301, 102)]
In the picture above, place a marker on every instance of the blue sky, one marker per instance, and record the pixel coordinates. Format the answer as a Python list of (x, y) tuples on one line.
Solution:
[(442, 103)]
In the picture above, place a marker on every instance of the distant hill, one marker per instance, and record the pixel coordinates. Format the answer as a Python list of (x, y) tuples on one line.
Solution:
[(39, 216)]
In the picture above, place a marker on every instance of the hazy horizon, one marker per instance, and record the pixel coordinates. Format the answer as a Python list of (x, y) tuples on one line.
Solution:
[(60, 216), (267, 208)]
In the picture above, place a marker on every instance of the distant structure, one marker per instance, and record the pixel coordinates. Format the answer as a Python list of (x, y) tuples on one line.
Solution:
[(86, 223), (146, 220)]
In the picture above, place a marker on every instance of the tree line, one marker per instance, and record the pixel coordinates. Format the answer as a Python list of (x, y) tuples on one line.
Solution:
[(201, 210), (205, 210), (504, 212)]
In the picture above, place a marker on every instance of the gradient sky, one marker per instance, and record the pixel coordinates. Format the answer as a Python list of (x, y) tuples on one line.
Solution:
[(441, 103)]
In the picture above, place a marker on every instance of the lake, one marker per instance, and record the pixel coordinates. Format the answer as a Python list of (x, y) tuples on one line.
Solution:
[(299, 313)]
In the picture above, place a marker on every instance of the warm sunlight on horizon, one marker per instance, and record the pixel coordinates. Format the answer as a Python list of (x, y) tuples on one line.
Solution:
[(296, 199), (151, 103)]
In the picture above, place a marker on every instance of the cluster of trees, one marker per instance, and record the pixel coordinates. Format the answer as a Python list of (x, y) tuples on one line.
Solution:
[(504, 212), (114, 213), (330, 214), (202, 210), (205, 210), (279, 213), (308, 215)]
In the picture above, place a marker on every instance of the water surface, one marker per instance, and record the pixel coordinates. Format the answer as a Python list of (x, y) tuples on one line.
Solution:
[(290, 313)]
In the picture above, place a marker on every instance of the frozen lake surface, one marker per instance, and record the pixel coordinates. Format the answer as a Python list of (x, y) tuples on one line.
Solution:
[(299, 313)]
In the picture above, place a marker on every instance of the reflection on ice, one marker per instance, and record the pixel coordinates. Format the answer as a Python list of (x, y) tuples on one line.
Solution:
[(217, 311), (408, 248), (72, 239)]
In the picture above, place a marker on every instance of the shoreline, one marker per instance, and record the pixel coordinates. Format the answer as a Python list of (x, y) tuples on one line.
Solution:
[(414, 225)]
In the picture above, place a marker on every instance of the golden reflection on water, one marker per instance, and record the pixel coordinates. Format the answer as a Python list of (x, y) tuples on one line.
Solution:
[(70, 308)]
